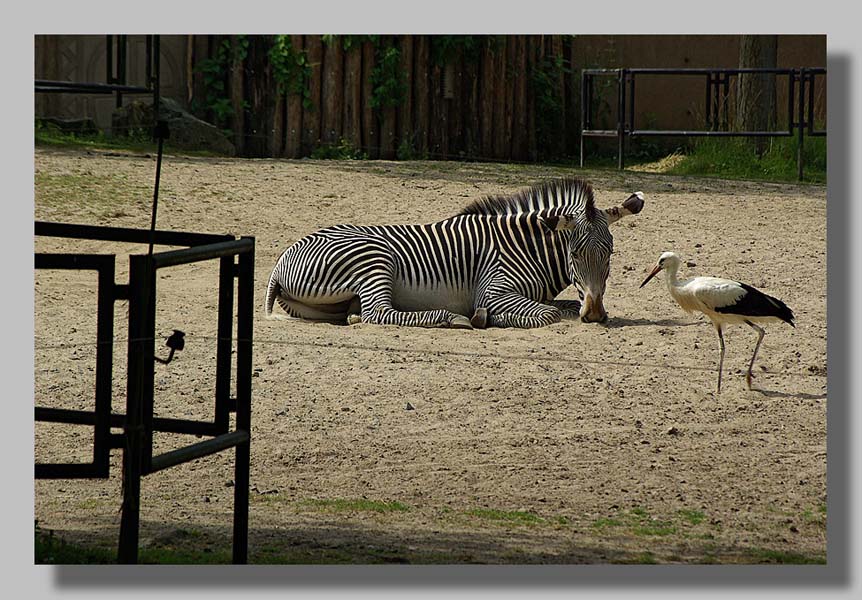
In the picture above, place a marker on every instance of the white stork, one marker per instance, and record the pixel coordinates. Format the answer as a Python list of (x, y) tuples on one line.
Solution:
[(723, 301)]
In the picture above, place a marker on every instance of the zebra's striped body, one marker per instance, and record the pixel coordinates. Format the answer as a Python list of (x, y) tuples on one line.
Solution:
[(504, 257)]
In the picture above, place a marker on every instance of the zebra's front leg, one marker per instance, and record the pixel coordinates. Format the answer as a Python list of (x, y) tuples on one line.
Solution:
[(386, 315), (569, 308), (514, 310)]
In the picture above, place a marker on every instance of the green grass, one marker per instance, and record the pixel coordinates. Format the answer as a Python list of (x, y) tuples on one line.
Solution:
[(47, 134), (734, 158), (104, 195), (355, 505), (516, 517)]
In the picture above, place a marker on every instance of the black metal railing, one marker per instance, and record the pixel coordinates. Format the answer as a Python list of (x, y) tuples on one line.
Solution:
[(138, 421), (801, 85)]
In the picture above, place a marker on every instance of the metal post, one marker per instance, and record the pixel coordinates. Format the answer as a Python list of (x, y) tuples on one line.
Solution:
[(104, 368), (223, 343), (121, 66), (244, 332), (621, 119), (800, 124), (585, 110), (140, 278), (709, 101)]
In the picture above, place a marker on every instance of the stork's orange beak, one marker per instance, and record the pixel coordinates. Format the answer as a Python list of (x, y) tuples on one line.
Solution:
[(652, 274)]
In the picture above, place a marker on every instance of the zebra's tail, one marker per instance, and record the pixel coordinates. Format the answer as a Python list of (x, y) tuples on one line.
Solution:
[(272, 292)]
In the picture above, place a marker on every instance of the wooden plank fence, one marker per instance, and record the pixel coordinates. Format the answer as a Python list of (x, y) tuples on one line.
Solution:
[(477, 103)]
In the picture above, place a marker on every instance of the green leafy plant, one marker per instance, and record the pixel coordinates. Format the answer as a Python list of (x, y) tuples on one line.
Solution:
[(291, 69), (214, 71), (387, 77)]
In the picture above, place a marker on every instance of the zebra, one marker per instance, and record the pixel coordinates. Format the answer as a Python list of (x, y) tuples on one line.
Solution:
[(503, 259)]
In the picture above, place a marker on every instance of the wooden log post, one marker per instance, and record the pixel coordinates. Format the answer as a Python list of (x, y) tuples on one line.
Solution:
[(499, 143), (421, 95), (405, 111), (332, 91), (519, 105), (370, 134), (311, 114), (486, 100), (352, 113), (293, 123), (237, 96)]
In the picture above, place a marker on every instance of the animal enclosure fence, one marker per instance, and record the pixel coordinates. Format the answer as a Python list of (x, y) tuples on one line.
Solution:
[(138, 422), (504, 97), (799, 115)]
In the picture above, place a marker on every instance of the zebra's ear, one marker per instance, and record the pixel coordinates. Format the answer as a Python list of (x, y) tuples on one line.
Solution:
[(557, 222), (631, 206)]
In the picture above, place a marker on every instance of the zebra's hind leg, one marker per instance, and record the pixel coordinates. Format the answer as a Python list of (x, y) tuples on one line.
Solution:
[(354, 312)]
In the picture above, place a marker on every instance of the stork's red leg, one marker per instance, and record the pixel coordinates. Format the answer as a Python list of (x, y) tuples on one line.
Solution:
[(760, 334)]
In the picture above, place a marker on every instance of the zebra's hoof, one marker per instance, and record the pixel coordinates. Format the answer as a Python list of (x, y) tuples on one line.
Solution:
[(354, 319), (480, 318), (459, 322)]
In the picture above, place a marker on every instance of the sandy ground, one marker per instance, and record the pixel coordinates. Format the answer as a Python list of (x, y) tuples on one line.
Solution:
[(574, 443)]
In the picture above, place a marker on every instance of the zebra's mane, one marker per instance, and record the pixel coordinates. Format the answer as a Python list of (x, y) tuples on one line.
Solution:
[(568, 192)]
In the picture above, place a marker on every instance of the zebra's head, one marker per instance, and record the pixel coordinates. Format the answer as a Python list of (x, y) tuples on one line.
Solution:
[(589, 250)]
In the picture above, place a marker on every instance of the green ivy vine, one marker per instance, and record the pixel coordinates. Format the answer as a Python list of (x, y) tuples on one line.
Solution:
[(291, 69), (214, 71)]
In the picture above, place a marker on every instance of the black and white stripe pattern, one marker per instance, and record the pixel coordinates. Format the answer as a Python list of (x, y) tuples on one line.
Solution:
[(510, 255)]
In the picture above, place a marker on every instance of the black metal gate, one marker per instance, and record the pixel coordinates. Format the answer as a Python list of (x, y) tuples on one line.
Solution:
[(800, 93)]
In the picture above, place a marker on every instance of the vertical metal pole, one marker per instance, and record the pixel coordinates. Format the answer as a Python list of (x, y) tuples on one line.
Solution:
[(104, 368), (109, 58), (631, 119), (140, 269), (709, 101), (121, 66), (244, 332), (791, 87), (148, 81), (621, 119), (584, 112), (223, 343), (157, 73), (800, 124)]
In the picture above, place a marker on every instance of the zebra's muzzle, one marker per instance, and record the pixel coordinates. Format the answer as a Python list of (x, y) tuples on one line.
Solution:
[(593, 310)]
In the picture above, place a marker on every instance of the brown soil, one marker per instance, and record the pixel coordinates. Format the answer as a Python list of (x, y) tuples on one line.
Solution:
[(574, 443)]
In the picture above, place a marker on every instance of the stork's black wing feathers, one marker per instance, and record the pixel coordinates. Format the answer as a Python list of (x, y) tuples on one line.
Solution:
[(755, 303)]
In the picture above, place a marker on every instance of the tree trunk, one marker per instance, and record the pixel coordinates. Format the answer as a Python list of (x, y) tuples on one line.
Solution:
[(755, 99), (237, 96)]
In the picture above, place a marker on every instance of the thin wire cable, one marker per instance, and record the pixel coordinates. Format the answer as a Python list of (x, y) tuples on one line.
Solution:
[(452, 353)]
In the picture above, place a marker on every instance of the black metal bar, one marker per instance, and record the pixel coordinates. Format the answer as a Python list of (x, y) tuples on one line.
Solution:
[(224, 342), (121, 67), (148, 374), (800, 126), (104, 368), (84, 262), (601, 132), (198, 253), (244, 332), (621, 116), (156, 83), (584, 115), (631, 119), (124, 234), (705, 71), (159, 135), (696, 133), (198, 450), (791, 87), (709, 101), (140, 279), (109, 59), (68, 471), (160, 424)]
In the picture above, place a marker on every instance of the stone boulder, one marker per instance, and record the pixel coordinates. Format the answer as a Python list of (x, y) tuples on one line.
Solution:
[(186, 130)]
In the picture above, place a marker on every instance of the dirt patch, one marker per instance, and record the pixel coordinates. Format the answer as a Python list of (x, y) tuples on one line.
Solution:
[(574, 443)]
